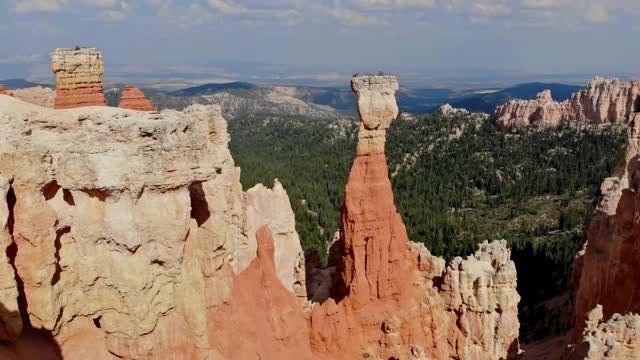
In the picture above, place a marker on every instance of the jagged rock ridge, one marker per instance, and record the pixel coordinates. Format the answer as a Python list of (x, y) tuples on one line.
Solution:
[(603, 101)]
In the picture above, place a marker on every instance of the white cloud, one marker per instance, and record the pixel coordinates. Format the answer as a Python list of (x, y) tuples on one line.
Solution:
[(29, 6)]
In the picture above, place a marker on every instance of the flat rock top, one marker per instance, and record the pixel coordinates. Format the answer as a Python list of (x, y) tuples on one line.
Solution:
[(375, 83), (108, 148)]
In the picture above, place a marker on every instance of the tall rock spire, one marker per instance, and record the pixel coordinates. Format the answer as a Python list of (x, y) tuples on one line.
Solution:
[(392, 299), (372, 231)]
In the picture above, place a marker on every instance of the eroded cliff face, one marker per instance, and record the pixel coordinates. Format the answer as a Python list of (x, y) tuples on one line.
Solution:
[(392, 298), (122, 229), (603, 101), (78, 77), (607, 266), (134, 99)]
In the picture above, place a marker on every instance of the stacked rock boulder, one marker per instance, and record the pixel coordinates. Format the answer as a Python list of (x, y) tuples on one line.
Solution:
[(134, 99), (603, 101), (392, 298), (78, 77)]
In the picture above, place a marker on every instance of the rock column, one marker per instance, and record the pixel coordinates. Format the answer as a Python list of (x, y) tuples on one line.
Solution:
[(78, 77)]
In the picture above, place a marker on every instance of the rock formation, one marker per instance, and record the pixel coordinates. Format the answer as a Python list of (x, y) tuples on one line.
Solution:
[(78, 77), (37, 95), (132, 98), (392, 298), (607, 269), (122, 228), (3, 90), (603, 101), (618, 338)]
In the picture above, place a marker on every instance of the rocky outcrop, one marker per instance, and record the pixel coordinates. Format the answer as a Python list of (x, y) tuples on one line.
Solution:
[(392, 298), (542, 112), (618, 338), (37, 95), (606, 269), (78, 77), (603, 101), (134, 99), (122, 228)]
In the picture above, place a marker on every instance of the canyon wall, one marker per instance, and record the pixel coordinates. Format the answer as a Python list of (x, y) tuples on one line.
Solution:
[(78, 77), (603, 101), (391, 298), (134, 99), (606, 269), (122, 229)]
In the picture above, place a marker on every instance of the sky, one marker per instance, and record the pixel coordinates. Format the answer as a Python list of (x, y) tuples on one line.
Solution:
[(426, 42)]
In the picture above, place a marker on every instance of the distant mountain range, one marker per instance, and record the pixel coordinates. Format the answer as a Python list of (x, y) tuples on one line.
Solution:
[(413, 100), (20, 84), (244, 97)]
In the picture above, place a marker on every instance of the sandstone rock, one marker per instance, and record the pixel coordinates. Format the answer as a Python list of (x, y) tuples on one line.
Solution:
[(125, 225), (37, 95), (449, 110), (603, 101), (271, 207), (132, 98), (542, 112), (392, 298), (377, 107), (607, 270), (78, 77), (260, 305), (617, 338)]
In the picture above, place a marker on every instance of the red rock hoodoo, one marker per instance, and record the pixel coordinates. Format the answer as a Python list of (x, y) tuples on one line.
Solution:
[(134, 99), (603, 101), (392, 298), (78, 77)]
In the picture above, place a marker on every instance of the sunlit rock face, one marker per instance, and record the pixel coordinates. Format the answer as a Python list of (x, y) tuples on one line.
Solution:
[(607, 270), (122, 228), (392, 298), (603, 101), (78, 77), (37, 95)]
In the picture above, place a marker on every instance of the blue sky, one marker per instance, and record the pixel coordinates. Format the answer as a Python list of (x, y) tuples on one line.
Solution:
[(318, 41)]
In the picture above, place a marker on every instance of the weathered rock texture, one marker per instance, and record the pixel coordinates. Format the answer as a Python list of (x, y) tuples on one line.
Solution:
[(607, 268), (78, 77), (392, 298), (37, 95), (122, 228), (132, 98), (618, 338), (603, 101)]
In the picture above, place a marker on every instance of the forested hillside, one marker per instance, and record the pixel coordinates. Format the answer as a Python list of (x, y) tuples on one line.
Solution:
[(457, 180)]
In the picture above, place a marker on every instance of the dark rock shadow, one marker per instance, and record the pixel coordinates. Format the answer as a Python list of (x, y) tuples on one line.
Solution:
[(31, 344)]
